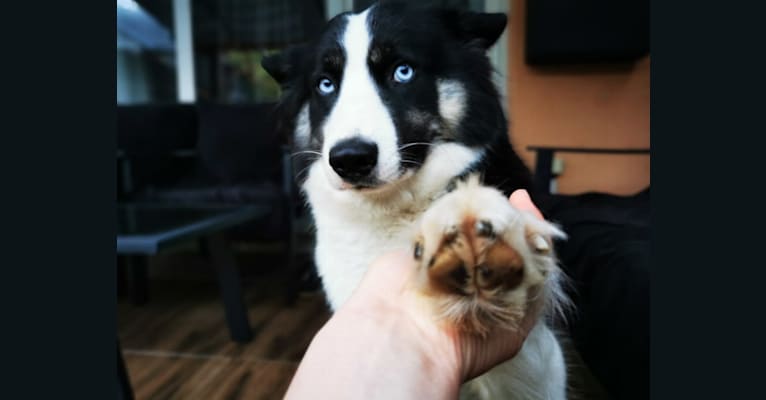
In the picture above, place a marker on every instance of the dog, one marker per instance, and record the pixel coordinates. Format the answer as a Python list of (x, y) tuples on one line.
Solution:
[(405, 144)]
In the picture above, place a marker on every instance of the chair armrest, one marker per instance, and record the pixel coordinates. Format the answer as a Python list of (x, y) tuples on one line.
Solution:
[(544, 160)]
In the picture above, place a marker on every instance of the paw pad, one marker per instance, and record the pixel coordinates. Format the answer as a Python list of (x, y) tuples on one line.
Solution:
[(484, 229)]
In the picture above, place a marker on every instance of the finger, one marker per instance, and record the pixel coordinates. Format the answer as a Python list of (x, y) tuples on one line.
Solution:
[(521, 200)]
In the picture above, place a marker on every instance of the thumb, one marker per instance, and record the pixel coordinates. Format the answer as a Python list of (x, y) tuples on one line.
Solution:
[(387, 273), (521, 200)]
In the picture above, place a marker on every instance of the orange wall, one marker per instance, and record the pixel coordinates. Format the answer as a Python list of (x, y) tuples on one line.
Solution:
[(582, 107)]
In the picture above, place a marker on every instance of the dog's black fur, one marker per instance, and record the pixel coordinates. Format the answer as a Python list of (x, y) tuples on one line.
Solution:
[(438, 44)]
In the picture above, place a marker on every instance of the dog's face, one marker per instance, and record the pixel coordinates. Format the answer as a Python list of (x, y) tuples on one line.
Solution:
[(377, 89)]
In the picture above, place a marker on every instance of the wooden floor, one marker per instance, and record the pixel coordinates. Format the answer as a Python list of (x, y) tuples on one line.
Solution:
[(177, 346)]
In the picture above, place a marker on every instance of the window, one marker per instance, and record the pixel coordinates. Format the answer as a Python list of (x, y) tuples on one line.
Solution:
[(210, 50), (232, 36), (206, 50), (146, 71)]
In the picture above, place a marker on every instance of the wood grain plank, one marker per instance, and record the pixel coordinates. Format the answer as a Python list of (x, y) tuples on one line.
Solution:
[(181, 377), (177, 346)]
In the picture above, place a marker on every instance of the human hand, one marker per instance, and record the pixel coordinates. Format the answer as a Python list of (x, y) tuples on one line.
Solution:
[(387, 292), (385, 341)]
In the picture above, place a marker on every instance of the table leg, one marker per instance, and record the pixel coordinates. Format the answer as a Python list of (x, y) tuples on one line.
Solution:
[(122, 279), (227, 272), (543, 172), (138, 279)]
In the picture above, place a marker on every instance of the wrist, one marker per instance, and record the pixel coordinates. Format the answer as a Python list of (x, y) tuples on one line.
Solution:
[(400, 350)]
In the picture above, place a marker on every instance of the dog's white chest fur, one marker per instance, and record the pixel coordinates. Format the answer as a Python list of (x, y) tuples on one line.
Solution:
[(353, 229)]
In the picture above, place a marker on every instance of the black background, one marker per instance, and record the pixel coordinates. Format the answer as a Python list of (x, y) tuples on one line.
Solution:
[(58, 171)]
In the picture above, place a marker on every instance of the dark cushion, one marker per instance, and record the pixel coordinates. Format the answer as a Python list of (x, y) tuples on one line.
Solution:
[(596, 207), (156, 130), (607, 260), (239, 143)]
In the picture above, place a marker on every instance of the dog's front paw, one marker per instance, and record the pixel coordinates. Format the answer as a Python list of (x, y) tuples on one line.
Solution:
[(483, 262)]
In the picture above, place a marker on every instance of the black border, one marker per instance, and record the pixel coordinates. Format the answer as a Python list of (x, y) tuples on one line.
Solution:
[(707, 269), (59, 292), (59, 323)]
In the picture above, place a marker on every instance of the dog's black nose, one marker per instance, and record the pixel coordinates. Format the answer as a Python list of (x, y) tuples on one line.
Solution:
[(354, 159)]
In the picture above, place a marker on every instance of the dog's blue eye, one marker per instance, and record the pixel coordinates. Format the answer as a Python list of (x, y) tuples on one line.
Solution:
[(326, 86), (403, 73)]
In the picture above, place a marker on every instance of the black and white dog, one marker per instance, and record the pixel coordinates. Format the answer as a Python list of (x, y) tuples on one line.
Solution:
[(397, 107)]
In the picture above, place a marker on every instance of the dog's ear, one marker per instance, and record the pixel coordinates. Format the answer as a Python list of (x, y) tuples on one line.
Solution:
[(480, 29), (284, 66)]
